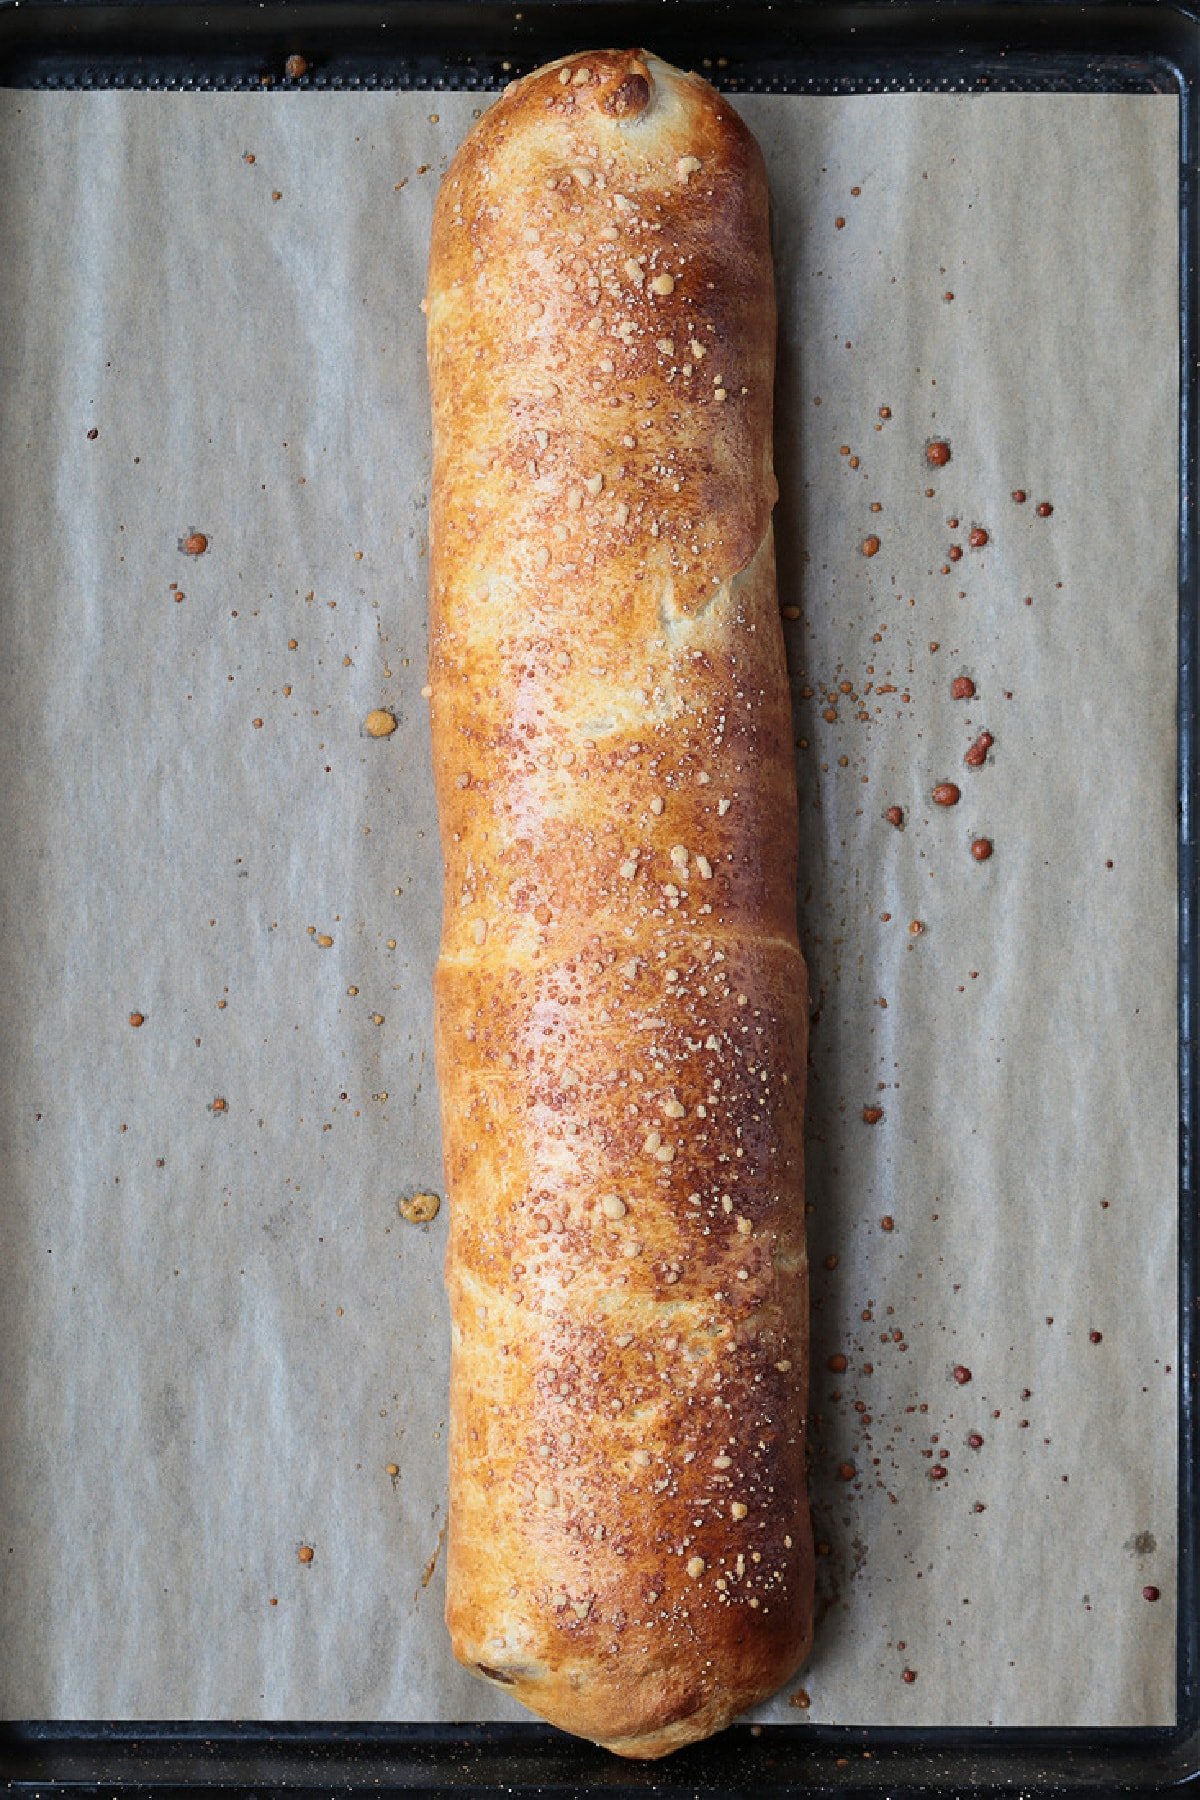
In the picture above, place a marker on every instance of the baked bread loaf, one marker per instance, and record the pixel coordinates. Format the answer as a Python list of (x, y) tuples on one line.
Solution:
[(621, 1007)]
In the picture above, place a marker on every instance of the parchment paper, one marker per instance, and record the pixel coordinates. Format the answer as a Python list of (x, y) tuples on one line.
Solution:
[(217, 1331)]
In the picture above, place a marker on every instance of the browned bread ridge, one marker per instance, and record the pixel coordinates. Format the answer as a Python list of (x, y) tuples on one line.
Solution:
[(621, 1007)]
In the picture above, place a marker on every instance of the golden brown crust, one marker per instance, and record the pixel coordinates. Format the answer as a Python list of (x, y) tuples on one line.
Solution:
[(621, 1006)]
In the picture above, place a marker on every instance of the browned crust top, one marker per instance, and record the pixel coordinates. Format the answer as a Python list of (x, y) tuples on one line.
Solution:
[(621, 1009)]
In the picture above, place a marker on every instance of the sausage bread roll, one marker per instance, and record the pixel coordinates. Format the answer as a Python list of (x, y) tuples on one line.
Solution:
[(621, 1008)]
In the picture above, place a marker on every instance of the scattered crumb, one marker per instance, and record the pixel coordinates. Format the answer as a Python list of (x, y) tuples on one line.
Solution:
[(419, 1209)]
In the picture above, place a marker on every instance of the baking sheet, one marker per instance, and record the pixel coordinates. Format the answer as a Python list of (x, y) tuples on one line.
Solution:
[(218, 1333)]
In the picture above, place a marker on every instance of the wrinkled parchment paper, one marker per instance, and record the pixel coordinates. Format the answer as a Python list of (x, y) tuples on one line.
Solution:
[(218, 1333)]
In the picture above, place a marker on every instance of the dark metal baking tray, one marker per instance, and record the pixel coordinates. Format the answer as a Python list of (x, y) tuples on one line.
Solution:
[(790, 46)]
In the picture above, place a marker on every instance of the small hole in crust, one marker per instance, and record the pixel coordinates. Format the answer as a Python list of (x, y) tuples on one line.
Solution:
[(499, 1675), (630, 98)]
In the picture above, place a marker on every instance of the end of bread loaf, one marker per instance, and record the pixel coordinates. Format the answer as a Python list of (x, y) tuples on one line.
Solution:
[(678, 173), (647, 1712)]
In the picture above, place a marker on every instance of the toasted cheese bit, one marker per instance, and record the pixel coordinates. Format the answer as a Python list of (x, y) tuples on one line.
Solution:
[(663, 284), (686, 166), (613, 1207), (418, 1209), (696, 1567)]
